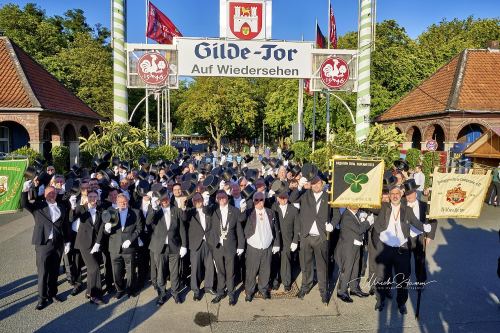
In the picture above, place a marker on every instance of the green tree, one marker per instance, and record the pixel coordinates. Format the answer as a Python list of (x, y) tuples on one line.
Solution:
[(217, 106), (413, 157)]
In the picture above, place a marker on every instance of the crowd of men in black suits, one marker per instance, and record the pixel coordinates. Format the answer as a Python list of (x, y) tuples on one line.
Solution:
[(193, 224)]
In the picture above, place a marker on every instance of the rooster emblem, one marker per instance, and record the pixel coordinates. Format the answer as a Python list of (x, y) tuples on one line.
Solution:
[(151, 66)]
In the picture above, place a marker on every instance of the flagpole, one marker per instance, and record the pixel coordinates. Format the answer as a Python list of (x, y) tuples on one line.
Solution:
[(314, 121), (146, 90), (327, 90)]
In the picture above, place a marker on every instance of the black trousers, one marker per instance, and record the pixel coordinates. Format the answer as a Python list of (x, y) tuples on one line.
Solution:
[(314, 249), (417, 251), (395, 259), (202, 261), (143, 269), (73, 265), (167, 264), (124, 264), (94, 283), (48, 259), (349, 270), (258, 262), (108, 268), (281, 267), (224, 266)]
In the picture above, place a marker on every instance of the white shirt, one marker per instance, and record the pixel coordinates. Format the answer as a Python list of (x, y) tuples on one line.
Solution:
[(203, 220), (55, 214), (223, 212), (144, 208), (419, 178), (283, 209), (393, 235), (123, 217), (166, 215), (356, 242), (414, 232), (314, 228), (237, 202), (263, 236), (92, 212)]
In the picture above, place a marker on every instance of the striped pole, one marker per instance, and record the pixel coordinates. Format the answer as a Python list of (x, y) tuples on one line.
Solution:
[(364, 50), (120, 98)]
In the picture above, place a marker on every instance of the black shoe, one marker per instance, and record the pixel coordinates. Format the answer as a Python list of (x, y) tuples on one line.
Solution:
[(388, 294), (248, 298), (177, 299), (210, 291), (110, 290), (87, 296), (42, 304), (276, 285), (232, 300), (359, 293), (161, 300), (402, 309), (96, 300), (324, 299), (379, 306), (217, 299), (197, 296), (372, 291), (119, 294), (76, 290), (301, 294), (57, 299), (288, 288), (131, 294), (266, 295), (345, 298)]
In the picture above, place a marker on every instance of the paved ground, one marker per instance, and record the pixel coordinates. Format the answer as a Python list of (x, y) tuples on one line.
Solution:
[(464, 297)]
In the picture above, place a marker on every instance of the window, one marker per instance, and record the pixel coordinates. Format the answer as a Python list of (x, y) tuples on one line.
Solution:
[(4, 139)]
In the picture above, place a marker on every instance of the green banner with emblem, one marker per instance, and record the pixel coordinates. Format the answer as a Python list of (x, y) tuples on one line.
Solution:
[(11, 184)]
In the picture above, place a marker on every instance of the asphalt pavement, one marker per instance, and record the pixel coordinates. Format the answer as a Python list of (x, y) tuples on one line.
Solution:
[(462, 295)]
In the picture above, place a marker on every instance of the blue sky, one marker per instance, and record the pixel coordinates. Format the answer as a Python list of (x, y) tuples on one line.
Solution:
[(291, 18)]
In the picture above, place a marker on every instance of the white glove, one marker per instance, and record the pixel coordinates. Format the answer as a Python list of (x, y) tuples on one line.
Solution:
[(27, 185), (67, 247), (126, 244), (95, 248), (183, 251), (75, 225), (139, 240), (206, 198), (263, 170), (293, 247), (370, 219), (99, 192), (270, 172), (276, 249), (427, 227), (221, 241), (328, 227), (302, 182), (107, 227), (239, 252), (155, 203), (363, 216), (72, 201), (243, 205), (113, 184), (222, 184), (270, 193)]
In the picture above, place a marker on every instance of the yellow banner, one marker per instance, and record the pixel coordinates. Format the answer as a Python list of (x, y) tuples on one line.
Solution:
[(458, 195)]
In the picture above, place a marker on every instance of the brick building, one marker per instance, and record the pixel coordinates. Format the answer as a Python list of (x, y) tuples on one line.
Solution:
[(457, 104), (36, 110)]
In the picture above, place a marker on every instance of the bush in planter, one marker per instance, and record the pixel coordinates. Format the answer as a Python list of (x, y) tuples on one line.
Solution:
[(320, 158), (60, 158), (302, 151), (413, 157), (85, 159), (165, 152), (431, 160), (30, 153)]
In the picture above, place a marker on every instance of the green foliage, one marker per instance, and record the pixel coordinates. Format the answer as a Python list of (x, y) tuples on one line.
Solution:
[(60, 158), (30, 153), (302, 151), (413, 157), (281, 109), (122, 140), (431, 160), (320, 158), (85, 160), (165, 152)]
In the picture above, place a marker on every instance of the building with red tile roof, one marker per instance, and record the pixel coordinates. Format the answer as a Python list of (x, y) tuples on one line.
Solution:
[(36, 109), (457, 104)]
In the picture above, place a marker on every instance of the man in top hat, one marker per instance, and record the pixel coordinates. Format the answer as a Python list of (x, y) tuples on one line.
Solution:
[(353, 226), (199, 228), (238, 201), (317, 219), (227, 240), (417, 237), (51, 239), (89, 235), (168, 245), (123, 245), (288, 220), (263, 238), (392, 227)]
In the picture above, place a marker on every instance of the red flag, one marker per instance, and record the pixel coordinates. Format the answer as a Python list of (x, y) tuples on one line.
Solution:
[(320, 38), (333, 30), (160, 28), (307, 87)]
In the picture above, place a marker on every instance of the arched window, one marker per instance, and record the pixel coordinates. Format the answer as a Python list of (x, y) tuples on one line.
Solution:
[(4, 139)]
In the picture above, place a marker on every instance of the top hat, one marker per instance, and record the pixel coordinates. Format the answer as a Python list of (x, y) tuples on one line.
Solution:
[(143, 188), (265, 162), (188, 188), (99, 164), (325, 176), (44, 178), (247, 158), (160, 163), (143, 160), (110, 215), (294, 169), (124, 165), (30, 173), (72, 186), (115, 161), (211, 184), (288, 155), (162, 194), (107, 174), (309, 171), (401, 165), (251, 175), (269, 180), (248, 192), (38, 164), (106, 156), (225, 150), (190, 177), (389, 179), (217, 171), (279, 187), (153, 170), (410, 186), (227, 174), (142, 175), (274, 162)]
